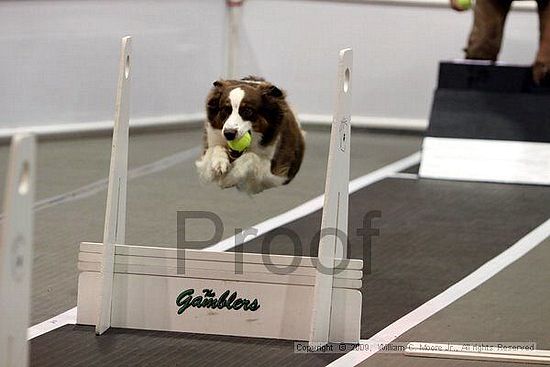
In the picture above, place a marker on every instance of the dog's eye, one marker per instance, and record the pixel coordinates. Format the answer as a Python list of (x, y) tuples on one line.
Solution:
[(247, 112)]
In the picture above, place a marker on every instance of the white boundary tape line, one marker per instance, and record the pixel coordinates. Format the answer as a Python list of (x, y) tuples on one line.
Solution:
[(69, 317), (373, 122), (93, 127), (196, 119), (101, 185), (405, 176), (315, 204), (444, 299), (65, 318), (425, 3)]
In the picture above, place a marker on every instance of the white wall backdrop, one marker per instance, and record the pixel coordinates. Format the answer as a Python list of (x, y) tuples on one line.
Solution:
[(59, 58), (396, 51)]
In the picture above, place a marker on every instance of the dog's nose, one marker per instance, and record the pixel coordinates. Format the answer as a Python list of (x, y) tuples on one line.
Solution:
[(230, 134)]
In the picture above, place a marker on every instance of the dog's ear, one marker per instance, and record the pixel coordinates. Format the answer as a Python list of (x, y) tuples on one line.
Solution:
[(272, 110), (219, 83), (213, 99), (272, 91)]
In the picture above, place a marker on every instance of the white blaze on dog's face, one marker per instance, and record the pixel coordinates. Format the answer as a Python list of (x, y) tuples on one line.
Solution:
[(237, 107), (236, 126)]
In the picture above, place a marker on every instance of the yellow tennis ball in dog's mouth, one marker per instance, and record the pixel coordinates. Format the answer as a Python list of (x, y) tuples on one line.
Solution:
[(242, 143), (465, 4)]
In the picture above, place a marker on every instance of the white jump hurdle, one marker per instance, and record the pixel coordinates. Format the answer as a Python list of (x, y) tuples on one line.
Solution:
[(16, 240), (144, 288)]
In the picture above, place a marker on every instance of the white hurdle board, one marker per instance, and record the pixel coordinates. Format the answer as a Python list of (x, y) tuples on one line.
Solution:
[(16, 239), (214, 292), (148, 285)]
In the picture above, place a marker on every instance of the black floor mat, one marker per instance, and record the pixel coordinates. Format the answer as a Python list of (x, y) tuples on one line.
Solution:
[(432, 234), (412, 169)]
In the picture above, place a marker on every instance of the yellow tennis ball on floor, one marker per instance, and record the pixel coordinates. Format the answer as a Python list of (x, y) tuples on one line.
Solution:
[(240, 144), (465, 4)]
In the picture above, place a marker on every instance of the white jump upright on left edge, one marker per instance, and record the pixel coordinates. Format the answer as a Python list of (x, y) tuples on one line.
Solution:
[(16, 253), (115, 214), (334, 226)]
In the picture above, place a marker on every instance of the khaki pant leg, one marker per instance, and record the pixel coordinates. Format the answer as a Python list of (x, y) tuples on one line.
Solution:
[(541, 66), (486, 35)]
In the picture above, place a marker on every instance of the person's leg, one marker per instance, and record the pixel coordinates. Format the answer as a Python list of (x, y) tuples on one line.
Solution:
[(486, 36), (541, 66)]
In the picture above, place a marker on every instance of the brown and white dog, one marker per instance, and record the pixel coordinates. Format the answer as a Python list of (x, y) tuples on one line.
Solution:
[(235, 107)]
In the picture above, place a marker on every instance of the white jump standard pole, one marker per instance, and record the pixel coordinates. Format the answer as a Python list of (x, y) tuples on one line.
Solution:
[(115, 214), (234, 12), (334, 226), (16, 253)]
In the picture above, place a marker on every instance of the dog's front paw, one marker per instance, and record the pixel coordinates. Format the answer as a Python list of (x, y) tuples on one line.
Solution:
[(206, 175), (213, 165), (220, 165)]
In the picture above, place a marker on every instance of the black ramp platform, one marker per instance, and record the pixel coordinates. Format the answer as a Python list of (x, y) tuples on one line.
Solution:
[(488, 123), (483, 101), (495, 116), (432, 234), (488, 77)]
